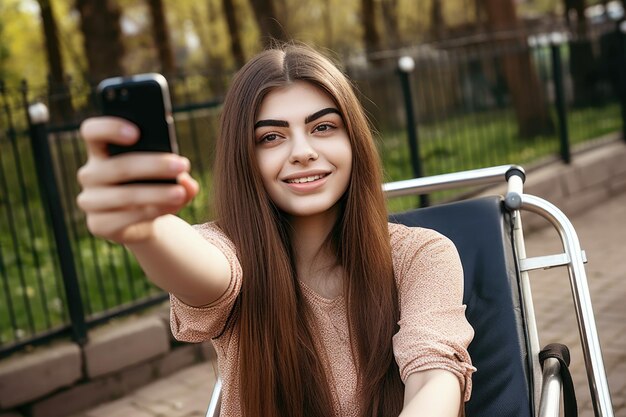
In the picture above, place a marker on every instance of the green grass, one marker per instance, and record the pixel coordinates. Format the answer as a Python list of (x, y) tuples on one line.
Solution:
[(30, 276), (484, 139), (31, 292)]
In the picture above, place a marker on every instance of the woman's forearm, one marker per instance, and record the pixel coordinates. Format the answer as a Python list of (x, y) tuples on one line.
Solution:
[(432, 393), (179, 260)]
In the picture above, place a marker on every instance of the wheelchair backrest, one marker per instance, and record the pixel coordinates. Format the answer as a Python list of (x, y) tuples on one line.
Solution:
[(481, 230)]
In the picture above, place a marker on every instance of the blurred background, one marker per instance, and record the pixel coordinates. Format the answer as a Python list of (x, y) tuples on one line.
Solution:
[(485, 82)]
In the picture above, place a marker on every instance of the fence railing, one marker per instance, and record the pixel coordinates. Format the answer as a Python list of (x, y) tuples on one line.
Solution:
[(456, 109)]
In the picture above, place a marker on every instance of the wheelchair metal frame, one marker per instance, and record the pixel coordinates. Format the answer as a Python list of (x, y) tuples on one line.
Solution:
[(546, 385)]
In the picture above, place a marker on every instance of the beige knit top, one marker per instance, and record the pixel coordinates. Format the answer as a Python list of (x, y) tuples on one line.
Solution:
[(433, 333)]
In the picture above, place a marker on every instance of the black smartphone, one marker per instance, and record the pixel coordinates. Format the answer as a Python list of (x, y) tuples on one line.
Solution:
[(143, 99)]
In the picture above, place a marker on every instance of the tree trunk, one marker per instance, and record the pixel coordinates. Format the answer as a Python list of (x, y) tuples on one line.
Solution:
[(100, 25), (162, 38), (60, 101), (582, 63), (269, 24), (390, 19), (371, 38), (527, 94), (233, 31), (438, 24)]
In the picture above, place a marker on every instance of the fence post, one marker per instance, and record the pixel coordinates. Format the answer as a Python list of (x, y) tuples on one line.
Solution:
[(406, 64), (622, 74), (38, 116), (557, 76)]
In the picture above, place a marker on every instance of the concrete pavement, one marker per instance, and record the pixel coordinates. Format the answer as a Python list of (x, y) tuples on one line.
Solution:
[(602, 232)]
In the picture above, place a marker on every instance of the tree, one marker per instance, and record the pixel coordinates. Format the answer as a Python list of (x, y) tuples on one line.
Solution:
[(60, 101), (104, 49), (233, 32), (162, 37), (529, 101), (269, 24), (328, 24), (4, 52), (582, 62), (371, 38), (390, 20), (438, 24)]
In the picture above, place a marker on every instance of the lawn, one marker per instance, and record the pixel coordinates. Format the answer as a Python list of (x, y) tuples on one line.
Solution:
[(31, 295)]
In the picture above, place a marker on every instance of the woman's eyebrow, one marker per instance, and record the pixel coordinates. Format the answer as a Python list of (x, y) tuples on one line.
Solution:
[(321, 113), (271, 122), (307, 120)]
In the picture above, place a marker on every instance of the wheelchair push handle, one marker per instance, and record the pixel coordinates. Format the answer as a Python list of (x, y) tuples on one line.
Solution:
[(515, 178)]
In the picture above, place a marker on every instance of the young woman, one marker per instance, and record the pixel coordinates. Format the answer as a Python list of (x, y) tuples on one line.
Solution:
[(315, 304)]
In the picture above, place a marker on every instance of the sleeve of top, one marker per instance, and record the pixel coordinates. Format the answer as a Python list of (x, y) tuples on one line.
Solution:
[(434, 333), (197, 324)]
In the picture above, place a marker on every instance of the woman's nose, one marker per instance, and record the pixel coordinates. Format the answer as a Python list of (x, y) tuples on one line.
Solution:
[(302, 151)]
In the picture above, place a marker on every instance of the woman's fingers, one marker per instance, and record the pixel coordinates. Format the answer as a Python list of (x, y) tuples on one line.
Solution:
[(117, 205), (190, 185), (132, 166), (99, 199), (98, 132), (126, 226)]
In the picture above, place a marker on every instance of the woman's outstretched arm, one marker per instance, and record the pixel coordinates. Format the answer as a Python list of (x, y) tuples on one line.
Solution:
[(140, 216), (180, 261), (435, 392)]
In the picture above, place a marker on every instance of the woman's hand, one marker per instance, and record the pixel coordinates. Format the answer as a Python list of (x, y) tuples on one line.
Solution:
[(126, 213)]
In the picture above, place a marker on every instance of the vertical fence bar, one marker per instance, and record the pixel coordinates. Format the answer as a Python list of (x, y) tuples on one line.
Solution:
[(406, 64), (37, 118), (557, 76), (12, 218), (622, 75)]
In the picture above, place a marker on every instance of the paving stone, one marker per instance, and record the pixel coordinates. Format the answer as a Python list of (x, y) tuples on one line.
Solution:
[(29, 376), (158, 391), (618, 185), (116, 347), (77, 398), (594, 174), (137, 376), (119, 408), (581, 202)]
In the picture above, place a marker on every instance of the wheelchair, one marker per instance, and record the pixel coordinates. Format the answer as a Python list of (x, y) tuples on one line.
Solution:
[(515, 377)]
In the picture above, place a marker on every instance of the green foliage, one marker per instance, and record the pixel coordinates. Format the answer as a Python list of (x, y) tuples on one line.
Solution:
[(199, 32), (21, 41), (109, 276), (30, 275), (485, 139)]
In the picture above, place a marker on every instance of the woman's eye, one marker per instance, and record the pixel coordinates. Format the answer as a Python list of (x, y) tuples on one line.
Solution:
[(324, 127), (271, 137)]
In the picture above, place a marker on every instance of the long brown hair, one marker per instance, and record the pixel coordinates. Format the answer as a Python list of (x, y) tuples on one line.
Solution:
[(280, 368)]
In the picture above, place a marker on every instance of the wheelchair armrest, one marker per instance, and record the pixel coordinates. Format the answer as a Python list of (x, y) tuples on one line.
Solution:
[(216, 400), (550, 401)]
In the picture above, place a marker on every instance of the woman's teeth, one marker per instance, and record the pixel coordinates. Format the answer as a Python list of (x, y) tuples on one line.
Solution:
[(305, 179)]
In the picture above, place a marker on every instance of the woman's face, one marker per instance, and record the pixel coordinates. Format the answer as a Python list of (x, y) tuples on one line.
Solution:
[(302, 149)]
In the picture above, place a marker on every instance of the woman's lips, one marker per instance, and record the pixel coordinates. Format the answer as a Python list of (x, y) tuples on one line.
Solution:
[(307, 185)]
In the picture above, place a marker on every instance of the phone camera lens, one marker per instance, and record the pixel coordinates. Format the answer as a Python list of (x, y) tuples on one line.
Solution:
[(110, 94), (124, 94)]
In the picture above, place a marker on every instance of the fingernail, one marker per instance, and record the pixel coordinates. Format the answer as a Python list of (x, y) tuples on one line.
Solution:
[(180, 164), (128, 132)]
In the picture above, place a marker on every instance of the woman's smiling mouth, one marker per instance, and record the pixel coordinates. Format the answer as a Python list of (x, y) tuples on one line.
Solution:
[(304, 180)]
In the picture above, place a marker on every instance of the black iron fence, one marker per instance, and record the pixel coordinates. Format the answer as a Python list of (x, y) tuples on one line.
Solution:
[(461, 106), (495, 101)]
